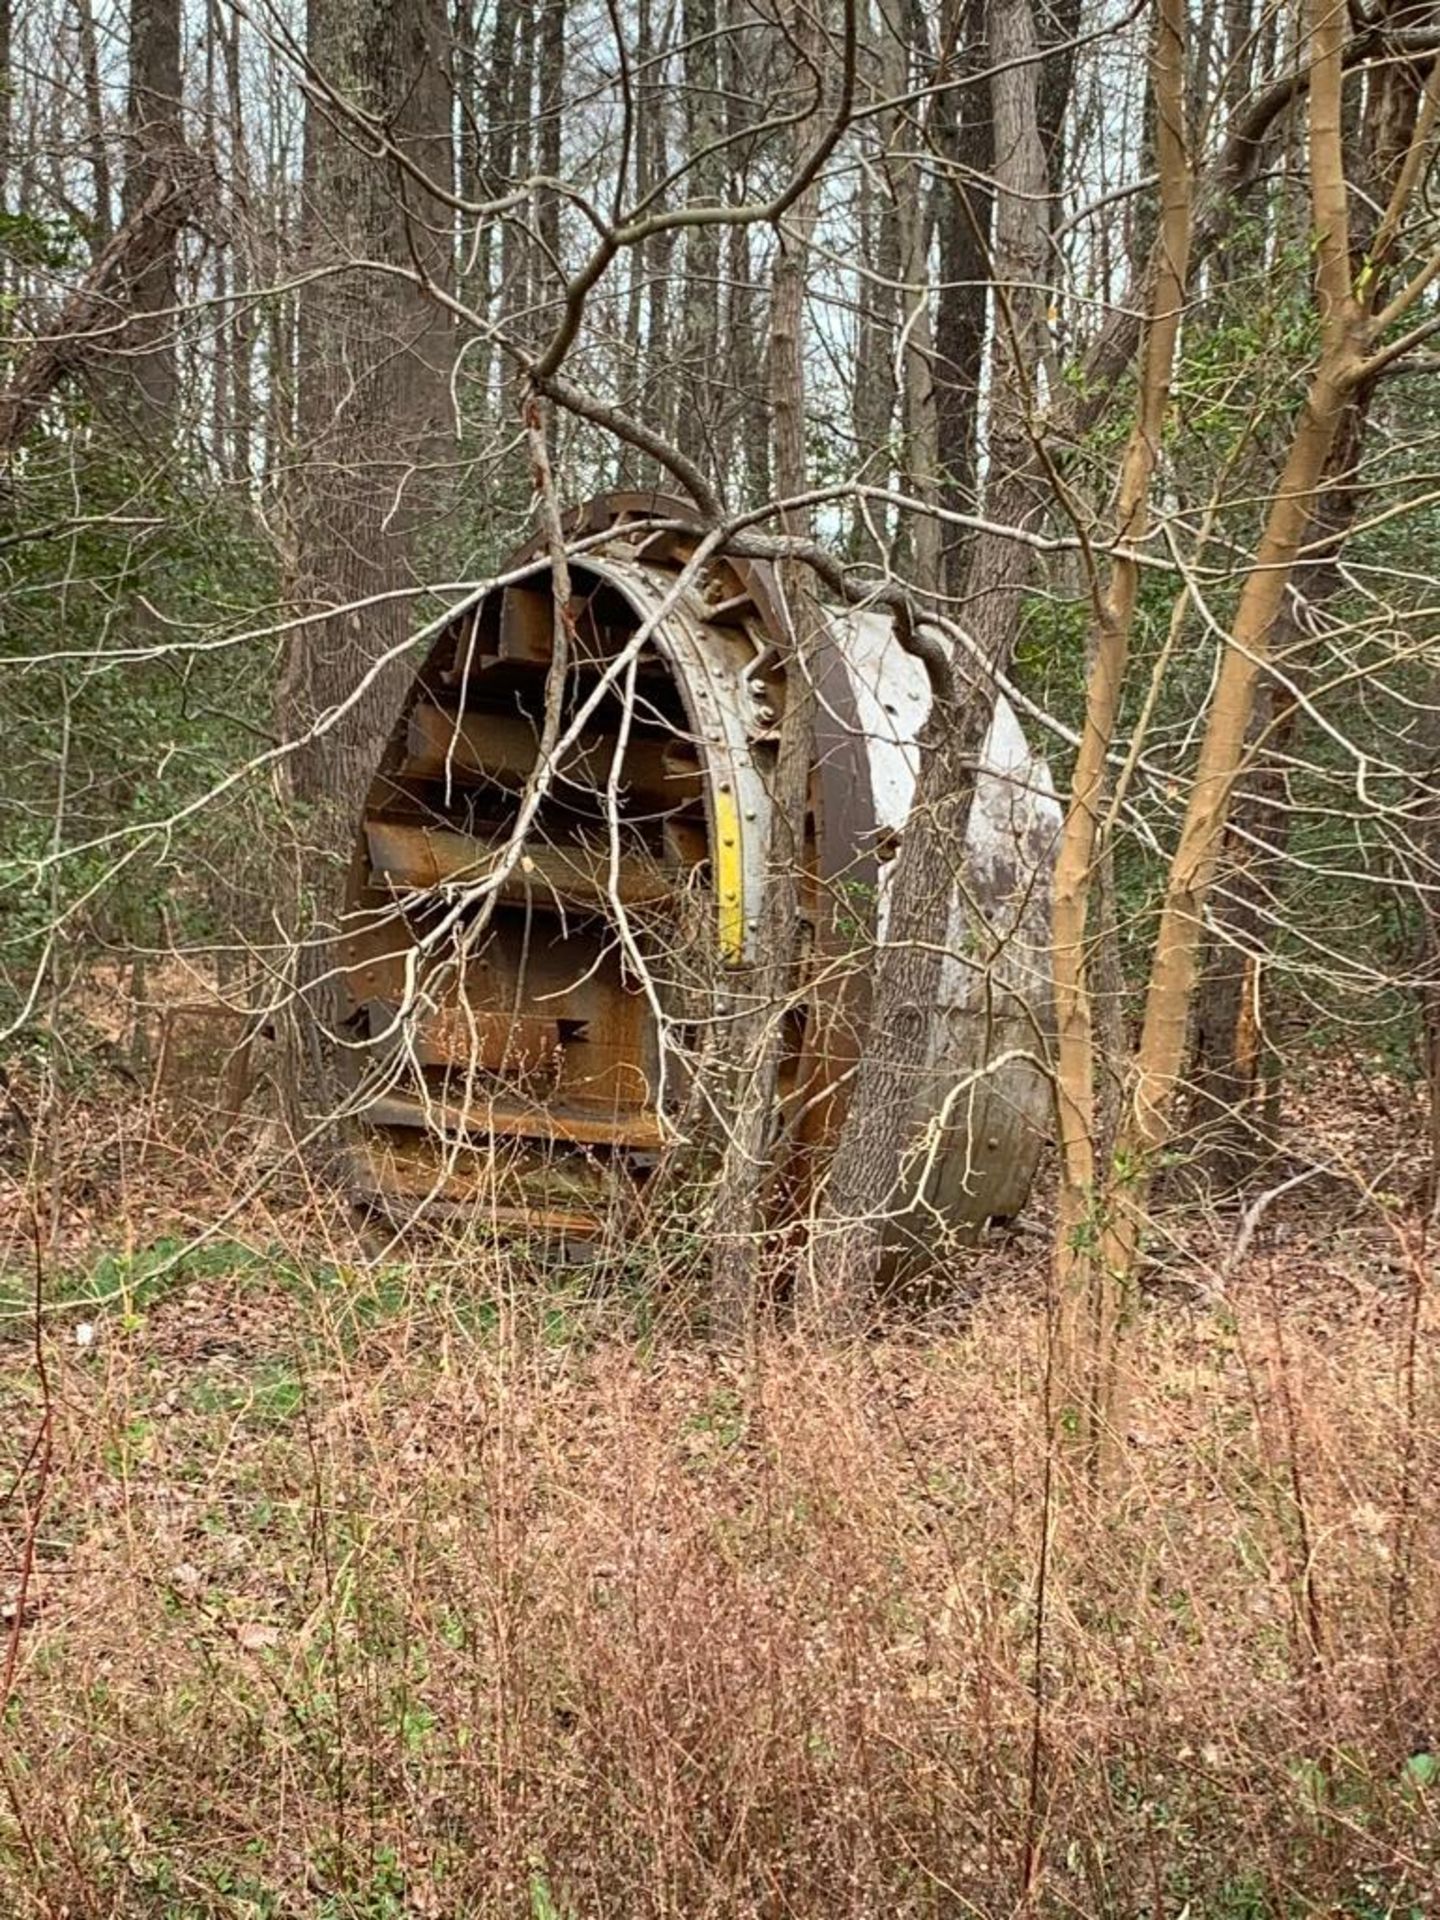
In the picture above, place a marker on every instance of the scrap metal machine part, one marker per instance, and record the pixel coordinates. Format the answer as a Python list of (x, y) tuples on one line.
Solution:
[(532, 1020)]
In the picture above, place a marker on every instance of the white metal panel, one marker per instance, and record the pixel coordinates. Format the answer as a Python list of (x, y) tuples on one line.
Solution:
[(994, 991)]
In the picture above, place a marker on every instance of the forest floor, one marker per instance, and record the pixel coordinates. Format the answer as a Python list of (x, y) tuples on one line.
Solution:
[(444, 1587)]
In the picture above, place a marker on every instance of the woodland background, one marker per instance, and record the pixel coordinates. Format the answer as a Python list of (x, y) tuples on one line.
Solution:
[(1101, 1582)]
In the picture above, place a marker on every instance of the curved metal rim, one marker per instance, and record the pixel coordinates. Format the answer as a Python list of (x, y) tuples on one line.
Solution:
[(847, 803)]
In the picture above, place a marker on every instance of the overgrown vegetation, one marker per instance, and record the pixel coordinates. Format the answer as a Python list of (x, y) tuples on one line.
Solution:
[(421, 1593), (515, 1399)]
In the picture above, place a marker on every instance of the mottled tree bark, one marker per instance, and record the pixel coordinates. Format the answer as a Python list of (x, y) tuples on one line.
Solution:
[(374, 358), (147, 374), (866, 1182)]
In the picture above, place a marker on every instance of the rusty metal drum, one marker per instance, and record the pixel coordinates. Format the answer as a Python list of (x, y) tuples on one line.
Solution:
[(541, 953)]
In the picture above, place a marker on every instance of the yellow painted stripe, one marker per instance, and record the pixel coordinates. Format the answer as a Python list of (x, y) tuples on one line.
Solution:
[(729, 884)]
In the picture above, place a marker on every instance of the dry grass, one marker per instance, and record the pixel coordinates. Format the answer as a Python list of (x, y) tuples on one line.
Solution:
[(456, 1589), (429, 1592)]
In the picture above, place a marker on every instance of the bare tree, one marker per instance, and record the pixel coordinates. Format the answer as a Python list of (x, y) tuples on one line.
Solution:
[(965, 137), (699, 330), (78, 340), (1083, 1282), (97, 147), (1234, 1062)]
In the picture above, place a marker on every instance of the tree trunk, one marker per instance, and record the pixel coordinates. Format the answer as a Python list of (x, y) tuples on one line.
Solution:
[(147, 374), (875, 390), (220, 384), (700, 375), (920, 461), (516, 245), (277, 250), (759, 1035), (966, 136), (1233, 1063), (549, 129), (374, 359), (1232, 1057), (96, 148), (902, 1047), (6, 85), (746, 440), (71, 345), (1059, 24), (1082, 1285), (242, 326), (486, 150), (1239, 55), (657, 400), (1426, 839)]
